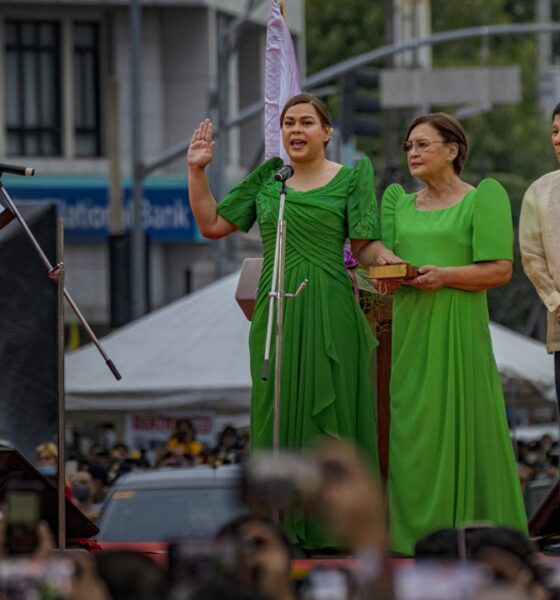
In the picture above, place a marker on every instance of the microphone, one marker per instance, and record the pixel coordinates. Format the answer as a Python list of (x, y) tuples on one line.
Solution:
[(16, 170), (284, 173)]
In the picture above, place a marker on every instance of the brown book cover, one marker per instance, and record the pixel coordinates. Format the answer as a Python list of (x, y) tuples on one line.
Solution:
[(395, 271)]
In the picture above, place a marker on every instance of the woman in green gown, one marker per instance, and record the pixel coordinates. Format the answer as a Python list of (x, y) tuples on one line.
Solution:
[(450, 458), (327, 344)]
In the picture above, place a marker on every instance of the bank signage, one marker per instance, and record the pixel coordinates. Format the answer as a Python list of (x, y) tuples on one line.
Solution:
[(85, 209)]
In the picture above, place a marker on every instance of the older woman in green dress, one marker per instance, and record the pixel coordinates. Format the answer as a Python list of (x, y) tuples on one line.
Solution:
[(450, 456), (327, 346)]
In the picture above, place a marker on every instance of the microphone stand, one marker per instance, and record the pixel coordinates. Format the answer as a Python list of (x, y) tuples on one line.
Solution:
[(276, 309), (54, 274)]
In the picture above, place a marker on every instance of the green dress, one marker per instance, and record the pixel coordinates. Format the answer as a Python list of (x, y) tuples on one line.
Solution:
[(450, 458), (327, 344)]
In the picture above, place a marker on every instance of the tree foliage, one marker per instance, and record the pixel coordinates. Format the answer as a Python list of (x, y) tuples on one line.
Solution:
[(337, 30)]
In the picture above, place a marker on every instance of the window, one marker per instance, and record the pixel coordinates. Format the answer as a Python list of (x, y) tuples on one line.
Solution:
[(86, 89), (34, 85), (32, 88)]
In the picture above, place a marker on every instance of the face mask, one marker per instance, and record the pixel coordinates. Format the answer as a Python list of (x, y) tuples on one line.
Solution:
[(80, 491), (47, 470), (531, 457)]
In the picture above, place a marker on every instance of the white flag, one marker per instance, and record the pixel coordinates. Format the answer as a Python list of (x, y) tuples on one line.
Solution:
[(281, 78)]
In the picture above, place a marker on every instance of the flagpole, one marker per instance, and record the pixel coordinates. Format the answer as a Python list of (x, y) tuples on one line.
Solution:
[(52, 274), (282, 81)]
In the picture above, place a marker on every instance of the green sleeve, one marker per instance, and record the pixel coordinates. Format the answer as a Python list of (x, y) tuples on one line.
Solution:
[(492, 223), (363, 221), (388, 209), (239, 205)]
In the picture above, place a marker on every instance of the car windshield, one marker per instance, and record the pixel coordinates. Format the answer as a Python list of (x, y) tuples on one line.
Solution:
[(159, 515)]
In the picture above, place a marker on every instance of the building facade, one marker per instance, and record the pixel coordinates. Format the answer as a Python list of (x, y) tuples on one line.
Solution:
[(65, 109)]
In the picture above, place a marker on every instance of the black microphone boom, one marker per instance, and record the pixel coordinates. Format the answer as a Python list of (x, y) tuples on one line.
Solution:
[(284, 173), (16, 170)]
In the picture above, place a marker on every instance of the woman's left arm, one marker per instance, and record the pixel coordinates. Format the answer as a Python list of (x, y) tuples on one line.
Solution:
[(470, 278)]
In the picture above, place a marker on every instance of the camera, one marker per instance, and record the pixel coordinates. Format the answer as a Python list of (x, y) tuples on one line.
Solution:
[(276, 482)]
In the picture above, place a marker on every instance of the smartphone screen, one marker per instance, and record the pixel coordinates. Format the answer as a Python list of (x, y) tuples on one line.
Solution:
[(24, 509), (24, 512)]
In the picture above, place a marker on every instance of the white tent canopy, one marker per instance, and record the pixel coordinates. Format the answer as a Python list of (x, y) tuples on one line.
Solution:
[(191, 353), (194, 353), (522, 357)]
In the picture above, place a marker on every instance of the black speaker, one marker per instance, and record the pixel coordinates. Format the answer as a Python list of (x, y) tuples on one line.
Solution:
[(28, 332), (13, 466)]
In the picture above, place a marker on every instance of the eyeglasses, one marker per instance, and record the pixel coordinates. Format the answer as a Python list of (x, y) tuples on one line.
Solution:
[(420, 145)]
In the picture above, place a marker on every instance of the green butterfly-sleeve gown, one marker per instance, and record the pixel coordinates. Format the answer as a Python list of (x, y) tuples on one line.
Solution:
[(327, 344), (450, 459)]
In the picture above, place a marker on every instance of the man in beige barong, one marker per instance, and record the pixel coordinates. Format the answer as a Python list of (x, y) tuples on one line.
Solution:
[(539, 239)]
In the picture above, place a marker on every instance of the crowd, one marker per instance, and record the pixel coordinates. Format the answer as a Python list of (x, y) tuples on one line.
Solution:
[(252, 558), (98, 470), (183, 449), (537, 460)]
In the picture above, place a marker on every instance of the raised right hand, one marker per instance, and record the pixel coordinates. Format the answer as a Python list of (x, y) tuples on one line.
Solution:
[(201, 149)]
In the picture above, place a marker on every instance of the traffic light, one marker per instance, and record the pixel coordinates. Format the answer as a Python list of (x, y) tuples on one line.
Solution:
[(360, 103)]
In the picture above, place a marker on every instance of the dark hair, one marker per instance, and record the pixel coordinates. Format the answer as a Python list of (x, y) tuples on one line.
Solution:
[(556, 111), (442, 544), (452, 132), (227, 429), (509, 540), (187, 422), (319, 106), (98, 472), (223, 591), (120, 445), (130, 575), (232, 530)]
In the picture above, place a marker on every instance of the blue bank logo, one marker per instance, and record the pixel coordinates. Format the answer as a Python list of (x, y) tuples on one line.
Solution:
[(85, 209)]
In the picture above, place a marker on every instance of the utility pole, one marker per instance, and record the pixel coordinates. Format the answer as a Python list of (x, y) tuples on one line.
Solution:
[(390, 116), (218, 105), (138, 234), (546, 90), (412, 20)]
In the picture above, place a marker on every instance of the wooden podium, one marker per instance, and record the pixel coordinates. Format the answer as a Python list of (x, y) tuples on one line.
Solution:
[(384, 316)]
